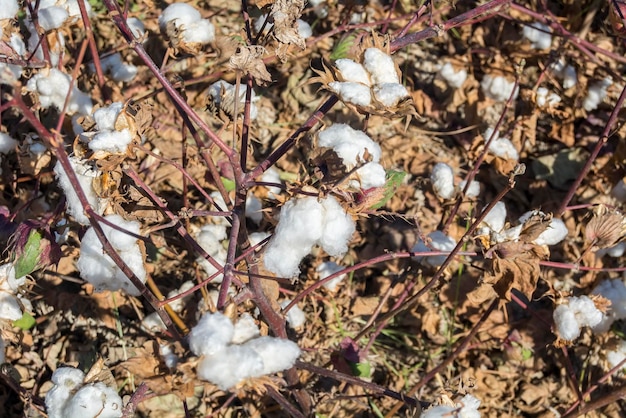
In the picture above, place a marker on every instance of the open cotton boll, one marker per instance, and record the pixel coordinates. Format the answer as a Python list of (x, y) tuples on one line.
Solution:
[(454, 78), (539, 35), (179, 304), (615, 251), (53, 88), (95, 400), (352, 71), (10, 308), (113, 141), (211, 334), (349, 144), (245, 329), (380, 66), (370, 175), (2, 350), (65, 382), (119, 71), (230, 366), (498, 88), (52, 17), (271, 175), (277, 354), (304, 29), (472, 191), (105, 116), (201, 31), (137, 28), (222, 95), (351, 92), (338, 228), (467, 407), (596, 94), (167, 354), (7, 144), (254, 209), (9, 9), (86, 175), (438, 242), (616, 356), (181, 14), (257, 237), (576, 313), (328, 268), (554, 233), (615, 291), (547, 98), (442, 179), (96, 267), (295, 316), (390, 94), (501, 147)]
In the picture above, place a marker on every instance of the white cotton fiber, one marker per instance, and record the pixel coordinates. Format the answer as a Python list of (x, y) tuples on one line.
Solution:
[(230, 366), (10, 308), (438, 241), (245, 329), (371, 175), (576, 313), (619, 191), (338, 228), (501, 147), (66, 380), (86, 175), (304, 29), (472, 191), (99, 269), (9, 9), (442, 179), (136, 26), (119, 71), (539, 35), (454, 78), (380, 66), (105, 116), (295, 316), (53, 88), (614, 291), (547, 98), (2, 351), (390, 94), (53, 17), (328, 268), (351, 92), (211, 335), (352, 71), (114, 141), (467, 407), (209, 239), (276, 354), (254, 209), (616, 356), (272, 175), (7, 144), (201, 31), (95, 400), (180, 13), (498, 88), (554, 233), (596, 94)]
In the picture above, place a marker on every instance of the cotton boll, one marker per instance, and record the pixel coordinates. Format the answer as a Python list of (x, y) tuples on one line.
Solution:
[(355, 93), (114, 141), (503, 148), (181, 14), (167, 354), (94, 400), (295, 316), (338, 228), (179, 304), (66, 380), (230, 366), (352, 71), (254, 209), (615, 251), (546, 98), (271, 175), (304, 29), (50, 18), (539, 35), (472, 191), (614, 291), (86, 175), (380, 66), (53, 89), (260, 21), (565, 322), (498, 88), (201, 31), (587, 314), (616, 356), (277, 354), (327, 269), (153, 323), (105, 116), (438, 242), (442, 179), (9, 9), (570, 79), (211, 335), (455, 79), (440, 411), (10, 308), (245, 329), (119, 239), (7, 144), (371, 175), (257, 237), (119, 71), (554, 233), (596, 94), (390, 94), (136, 26), (349, 143)]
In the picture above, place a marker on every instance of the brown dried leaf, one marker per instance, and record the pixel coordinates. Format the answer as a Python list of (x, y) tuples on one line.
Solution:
[(285, 14), (248, 59)]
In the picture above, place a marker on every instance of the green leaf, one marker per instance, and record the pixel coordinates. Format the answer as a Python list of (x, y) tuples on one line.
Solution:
[(26, 322), (361, 369), (26, 263), (342, 47), (394, 180), (228, 184)]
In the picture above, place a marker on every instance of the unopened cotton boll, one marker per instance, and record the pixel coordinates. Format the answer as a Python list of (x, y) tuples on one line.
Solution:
[(539, 35), (454, 78), (596, 94), (498, 88), (380, 66), (438, 241), (295, 316), (352, 71), (211, 334), (442, 179)]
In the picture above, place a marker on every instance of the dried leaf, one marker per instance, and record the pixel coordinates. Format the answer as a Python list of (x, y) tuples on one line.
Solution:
[(248, 59), (285, 14)]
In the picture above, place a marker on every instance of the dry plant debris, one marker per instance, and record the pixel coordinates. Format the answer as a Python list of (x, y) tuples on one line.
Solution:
[(335, 209)]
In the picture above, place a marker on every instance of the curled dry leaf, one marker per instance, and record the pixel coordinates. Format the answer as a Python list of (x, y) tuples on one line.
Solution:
[(285, 14), (606, 228), (248, 59)]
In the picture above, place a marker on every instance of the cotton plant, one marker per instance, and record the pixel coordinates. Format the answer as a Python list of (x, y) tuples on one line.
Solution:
[(12, 301), (303, 223), (86, 174), (99, 269), (454, 78), (436, 241), (304, 29), (295, 316), (442, 180), (566, 72), (355, 148), (615, 292), (71, 396), (211, 238), (10, 73), (500, 146), (221, 96), (185, 27), (539, 35), (232, 354), (119, 71), (328, 268), (112, 133), (574, 314), (52, 87), (596, 93), (498, 88)]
